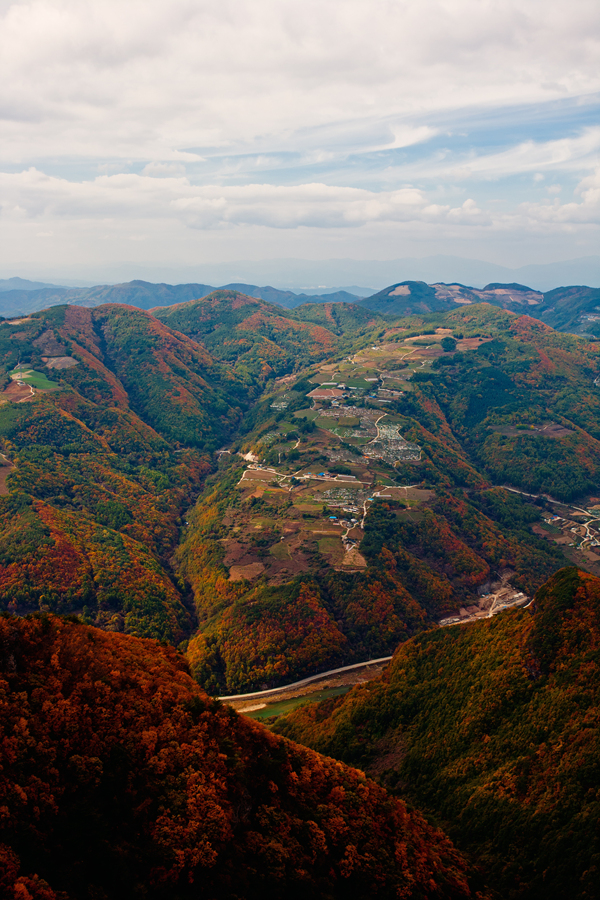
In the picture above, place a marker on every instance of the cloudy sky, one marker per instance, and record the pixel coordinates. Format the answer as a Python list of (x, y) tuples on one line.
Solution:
[(143, 134)]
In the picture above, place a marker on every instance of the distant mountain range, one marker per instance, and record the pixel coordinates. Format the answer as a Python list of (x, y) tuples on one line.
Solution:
[(19, 296), (23, 284), (574, 309), (325, 276)]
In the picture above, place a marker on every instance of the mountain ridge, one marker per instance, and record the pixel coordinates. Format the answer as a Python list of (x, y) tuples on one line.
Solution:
[(492, 728), (572, 308), (122, 778), (144, 295)]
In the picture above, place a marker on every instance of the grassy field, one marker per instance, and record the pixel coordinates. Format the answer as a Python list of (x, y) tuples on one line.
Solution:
[(272, 710), (35, 379)]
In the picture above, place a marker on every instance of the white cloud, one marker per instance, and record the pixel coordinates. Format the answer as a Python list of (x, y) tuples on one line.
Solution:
[(585, 212), (571, 154), (36, 195), (243, 95), (150, 77)]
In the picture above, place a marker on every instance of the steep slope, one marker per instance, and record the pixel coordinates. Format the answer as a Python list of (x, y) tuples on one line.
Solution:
[(120, 778), (125, 357), (500, 400), (172, 382), (573, 309), (405, 299), (91, 509), (495, 729), (250, 333), (340, 317)]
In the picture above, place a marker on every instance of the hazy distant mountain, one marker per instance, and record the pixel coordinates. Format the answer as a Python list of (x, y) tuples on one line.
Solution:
[(289, 299), (334, 289), (143, 294), (23, 284), (295, 274), (325, 276), (574, 309)]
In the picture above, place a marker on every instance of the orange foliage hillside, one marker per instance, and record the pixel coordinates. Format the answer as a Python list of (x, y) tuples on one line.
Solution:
[(120, 778)]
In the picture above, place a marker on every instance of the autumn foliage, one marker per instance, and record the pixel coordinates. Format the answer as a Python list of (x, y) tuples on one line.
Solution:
[(494, 728), (120, 778)]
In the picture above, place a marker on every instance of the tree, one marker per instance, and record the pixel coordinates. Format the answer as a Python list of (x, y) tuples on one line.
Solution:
[(448, 344)]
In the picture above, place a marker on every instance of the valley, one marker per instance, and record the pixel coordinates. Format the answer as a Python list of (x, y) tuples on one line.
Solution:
[(491, 727), (349, 491), (300, 450), (297, 503)]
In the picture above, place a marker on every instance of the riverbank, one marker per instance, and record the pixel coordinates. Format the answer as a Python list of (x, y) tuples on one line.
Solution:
[(348, 677)]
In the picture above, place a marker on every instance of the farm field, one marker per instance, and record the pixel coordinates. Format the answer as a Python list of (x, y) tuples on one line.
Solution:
[(271, 711), (23, 385), (352, 472), (36, 379), (373, 480), (323, 465)]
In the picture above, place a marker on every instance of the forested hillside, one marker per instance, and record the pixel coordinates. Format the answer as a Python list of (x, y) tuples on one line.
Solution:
[(96, 486), (359, 494), (278, 495), (493, 728), (258, 339), (120, 778), (497, 400), (279, 595)]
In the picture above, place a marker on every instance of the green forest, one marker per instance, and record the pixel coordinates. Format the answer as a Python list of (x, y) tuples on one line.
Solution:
[(226, 497), (493, 730)]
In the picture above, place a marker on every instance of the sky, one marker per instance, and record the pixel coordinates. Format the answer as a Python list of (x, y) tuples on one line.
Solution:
[(167, 135)]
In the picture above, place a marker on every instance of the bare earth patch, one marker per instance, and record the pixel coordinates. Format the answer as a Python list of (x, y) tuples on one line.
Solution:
[(59, 362), (353, 559), (550, 430), (420, 495), (471, 343), (241, 573), (17, 393)]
